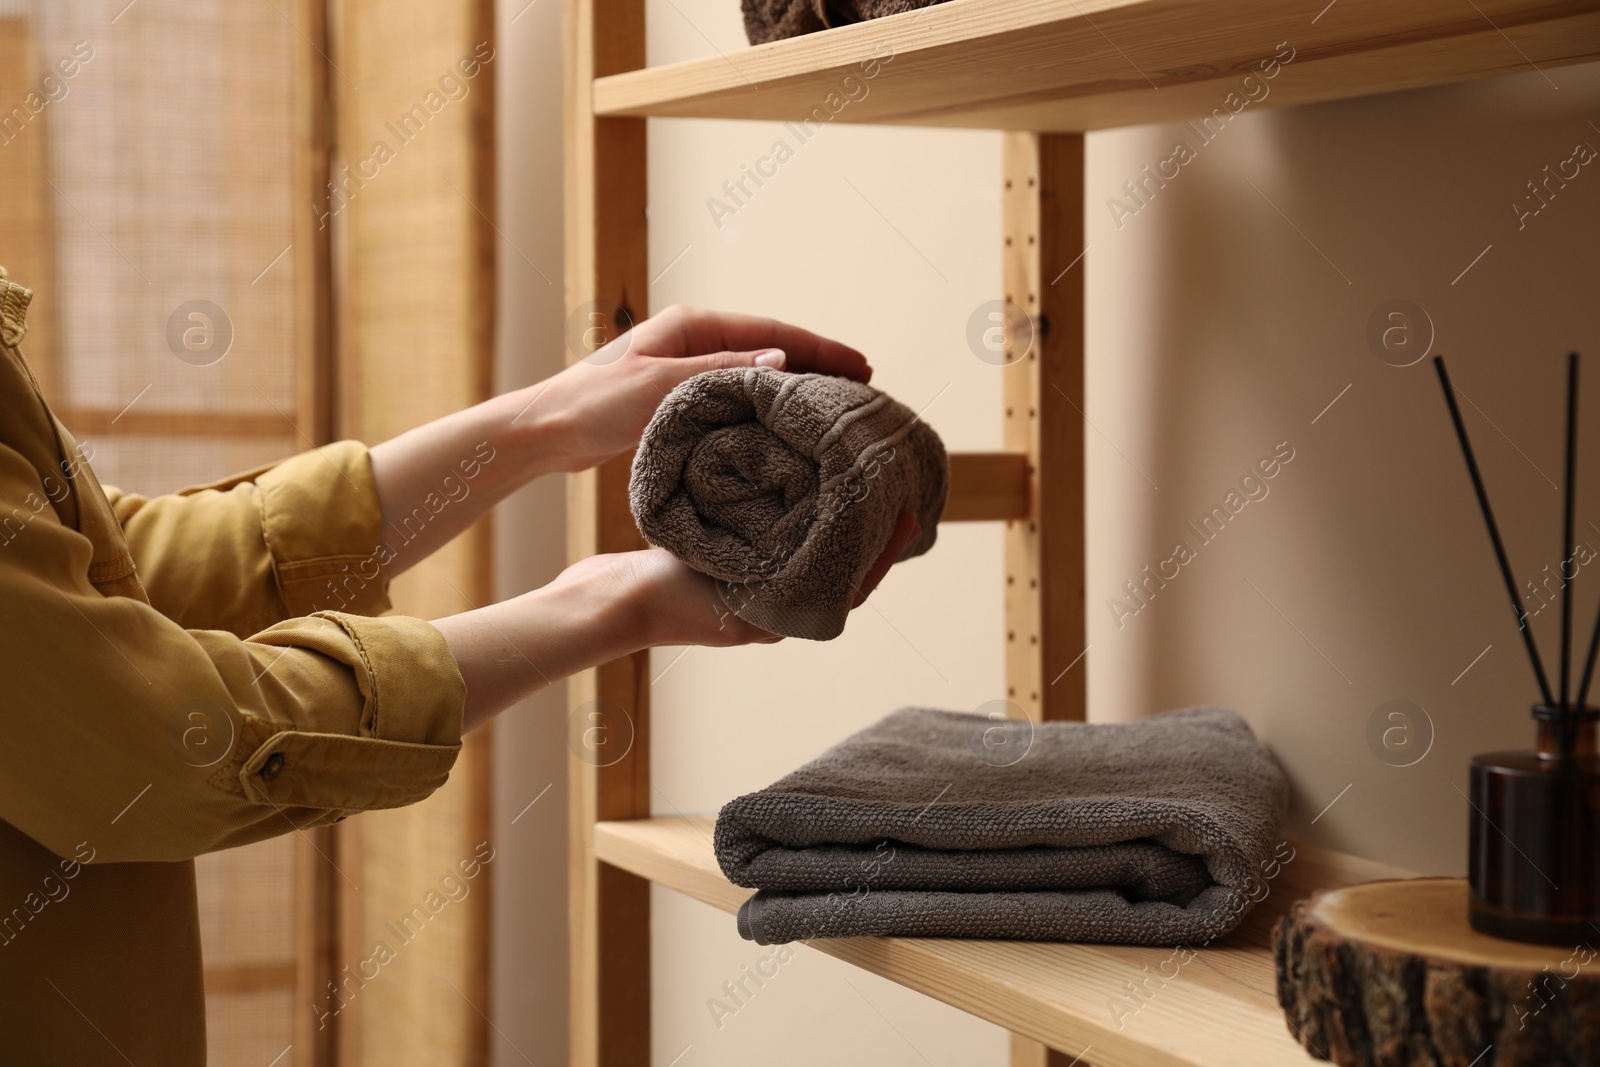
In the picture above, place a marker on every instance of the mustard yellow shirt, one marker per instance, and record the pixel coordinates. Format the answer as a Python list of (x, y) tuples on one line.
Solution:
[(171, 688)]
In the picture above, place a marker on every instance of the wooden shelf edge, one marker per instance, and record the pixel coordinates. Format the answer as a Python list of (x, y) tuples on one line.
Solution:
[(1219, 1009), (1048, 65)]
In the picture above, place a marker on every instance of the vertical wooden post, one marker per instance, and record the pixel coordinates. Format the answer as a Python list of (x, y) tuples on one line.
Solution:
[(1046, 629), (312, 251), (606, 270), (316, 912)]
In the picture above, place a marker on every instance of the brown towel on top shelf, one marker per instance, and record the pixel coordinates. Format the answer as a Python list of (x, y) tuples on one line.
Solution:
[(773, 20), (785, 488), (942, 824)]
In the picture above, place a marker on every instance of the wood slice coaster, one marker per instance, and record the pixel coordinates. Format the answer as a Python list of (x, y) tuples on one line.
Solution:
[(1390, 974)]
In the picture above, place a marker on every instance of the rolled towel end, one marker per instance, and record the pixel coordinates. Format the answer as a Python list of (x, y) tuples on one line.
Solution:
[(749, 921), (785, 488)]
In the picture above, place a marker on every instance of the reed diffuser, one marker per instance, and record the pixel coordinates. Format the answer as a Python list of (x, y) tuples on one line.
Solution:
[(1534, 837)]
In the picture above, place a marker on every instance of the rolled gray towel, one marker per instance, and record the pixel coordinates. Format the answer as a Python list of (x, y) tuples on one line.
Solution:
[(785, 488), (943, 824)]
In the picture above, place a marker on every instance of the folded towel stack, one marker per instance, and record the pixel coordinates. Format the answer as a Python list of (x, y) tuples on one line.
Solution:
[(773, 20), (942, 824), (785, 488)]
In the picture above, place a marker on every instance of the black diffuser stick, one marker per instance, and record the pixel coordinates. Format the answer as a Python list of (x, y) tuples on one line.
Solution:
[(1494, 531), (1581, 701), (1567, 533)]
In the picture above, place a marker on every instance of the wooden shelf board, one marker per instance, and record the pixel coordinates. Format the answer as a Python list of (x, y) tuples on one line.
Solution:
[(1221, 1008), (987, 487), (1075, 65)]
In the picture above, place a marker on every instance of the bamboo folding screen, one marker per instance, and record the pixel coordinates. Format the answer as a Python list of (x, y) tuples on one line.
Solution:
[(187, 157), (414, 269)]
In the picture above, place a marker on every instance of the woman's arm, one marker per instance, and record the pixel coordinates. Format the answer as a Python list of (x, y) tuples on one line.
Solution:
[(438, 479), (599, 609), (222, 739)]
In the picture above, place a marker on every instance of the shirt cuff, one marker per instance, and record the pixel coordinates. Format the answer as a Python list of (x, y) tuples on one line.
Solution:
[(408, 734), (323, 525)]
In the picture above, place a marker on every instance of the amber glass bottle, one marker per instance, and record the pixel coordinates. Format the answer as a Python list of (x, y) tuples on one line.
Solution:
[(1534, 849)]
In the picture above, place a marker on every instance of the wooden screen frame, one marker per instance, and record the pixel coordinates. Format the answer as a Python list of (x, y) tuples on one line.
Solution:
[(316, 912)]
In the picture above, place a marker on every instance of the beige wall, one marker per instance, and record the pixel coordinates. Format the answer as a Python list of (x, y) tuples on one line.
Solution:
[(1218, 330), (529, 941), (1222, 320)]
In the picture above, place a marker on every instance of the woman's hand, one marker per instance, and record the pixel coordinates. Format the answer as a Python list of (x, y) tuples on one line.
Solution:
[(599, 609), (583, 416), (598, 408), (680, 606)]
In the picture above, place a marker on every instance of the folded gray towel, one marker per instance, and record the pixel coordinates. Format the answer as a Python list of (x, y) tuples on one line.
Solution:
[(1158, 832), (785, 488), (773, 20)]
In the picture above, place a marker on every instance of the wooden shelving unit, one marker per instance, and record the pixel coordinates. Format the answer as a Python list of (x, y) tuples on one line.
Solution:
[(1045, 71)]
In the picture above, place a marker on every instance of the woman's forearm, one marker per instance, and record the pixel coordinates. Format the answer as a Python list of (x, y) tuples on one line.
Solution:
[(598, 609), (508, 650), (438, 479)]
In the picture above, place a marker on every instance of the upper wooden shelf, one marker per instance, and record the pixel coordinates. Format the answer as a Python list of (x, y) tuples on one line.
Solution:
[(1073, 65), (1217, 1008)]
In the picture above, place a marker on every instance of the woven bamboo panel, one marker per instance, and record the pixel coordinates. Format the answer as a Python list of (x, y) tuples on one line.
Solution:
[(412, 195)]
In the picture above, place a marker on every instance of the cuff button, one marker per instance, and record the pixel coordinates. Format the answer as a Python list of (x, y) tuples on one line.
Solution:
[(274, 764)]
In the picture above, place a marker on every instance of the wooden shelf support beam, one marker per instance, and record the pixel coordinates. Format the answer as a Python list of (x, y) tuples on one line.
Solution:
[(1046, 631), (606, 269)]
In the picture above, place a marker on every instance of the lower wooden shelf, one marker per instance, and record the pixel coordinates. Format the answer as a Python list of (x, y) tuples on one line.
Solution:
[(1115, 1005)]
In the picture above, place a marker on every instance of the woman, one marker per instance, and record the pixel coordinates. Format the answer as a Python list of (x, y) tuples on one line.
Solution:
[(202, 670)]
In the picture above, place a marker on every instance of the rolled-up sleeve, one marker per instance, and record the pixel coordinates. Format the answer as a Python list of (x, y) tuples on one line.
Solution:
[(281, 541), (159, 742)]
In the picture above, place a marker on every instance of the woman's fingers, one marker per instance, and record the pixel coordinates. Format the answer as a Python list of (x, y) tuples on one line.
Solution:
[(689, 331), (828, 357), (688, 366), (906, 530)]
